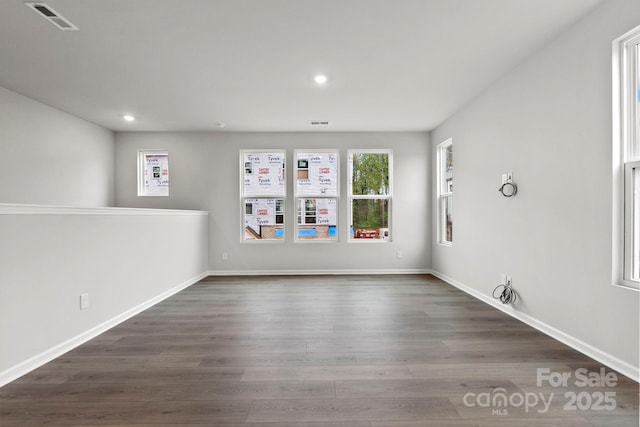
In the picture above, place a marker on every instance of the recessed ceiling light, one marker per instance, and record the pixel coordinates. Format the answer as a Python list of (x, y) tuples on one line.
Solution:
[(128, 117), (320, 79)]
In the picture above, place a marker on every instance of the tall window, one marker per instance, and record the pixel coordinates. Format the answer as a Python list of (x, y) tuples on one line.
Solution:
[(263, 191), (316, 193), (445, 192), (627, 144), (370, 192), (153, 173)]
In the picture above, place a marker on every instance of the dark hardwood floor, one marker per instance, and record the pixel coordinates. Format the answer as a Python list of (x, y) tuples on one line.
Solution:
[(356, 351)]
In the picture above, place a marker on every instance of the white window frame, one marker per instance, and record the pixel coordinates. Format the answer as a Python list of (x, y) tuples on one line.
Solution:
[(142, 188), (443, 196), (388, 197), (626, 160), (299, 198), (267, 195)]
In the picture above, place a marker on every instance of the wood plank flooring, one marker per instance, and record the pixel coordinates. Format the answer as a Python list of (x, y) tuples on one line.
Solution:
[(356, 351)]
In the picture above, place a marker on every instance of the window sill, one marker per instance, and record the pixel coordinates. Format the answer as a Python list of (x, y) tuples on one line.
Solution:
[(626, 284)]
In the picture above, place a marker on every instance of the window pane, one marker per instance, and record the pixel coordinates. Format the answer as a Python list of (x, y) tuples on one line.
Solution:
[(317, 174), (370, 174), (447, 226), (370, 219), (447, 169), (264, 219), (264, 174), (635, 227), (317, 219), (635, 148)]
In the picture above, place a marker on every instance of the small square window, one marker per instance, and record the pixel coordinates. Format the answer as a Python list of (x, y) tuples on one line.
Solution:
[(153, 173)]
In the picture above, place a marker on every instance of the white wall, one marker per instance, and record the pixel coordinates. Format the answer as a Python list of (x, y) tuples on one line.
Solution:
[(549, 122), (125, 259), (50, 157), (204, 174)]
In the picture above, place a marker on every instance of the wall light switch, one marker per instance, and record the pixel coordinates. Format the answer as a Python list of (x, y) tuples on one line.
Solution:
[(84, 301)]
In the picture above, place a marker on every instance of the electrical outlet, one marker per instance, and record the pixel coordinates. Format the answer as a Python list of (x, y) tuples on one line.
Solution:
[(398, 254), (508, 281), (504, 178), (225, 256), (510, 177), (503, 279), (84, 301)]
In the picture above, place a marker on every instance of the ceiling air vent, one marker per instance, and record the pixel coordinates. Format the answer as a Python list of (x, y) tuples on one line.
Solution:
[(51, 15)]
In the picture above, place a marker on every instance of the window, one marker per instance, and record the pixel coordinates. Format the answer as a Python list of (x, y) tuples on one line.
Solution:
[(153, 173), (627, 157), (370, 191), (263, 191), (445, 192), (316, 195)]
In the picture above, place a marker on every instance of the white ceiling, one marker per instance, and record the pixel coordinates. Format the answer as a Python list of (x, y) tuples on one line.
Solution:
[(190, 64)]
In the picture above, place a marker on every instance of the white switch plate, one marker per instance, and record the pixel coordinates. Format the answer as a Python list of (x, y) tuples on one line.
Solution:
[(84, 301)]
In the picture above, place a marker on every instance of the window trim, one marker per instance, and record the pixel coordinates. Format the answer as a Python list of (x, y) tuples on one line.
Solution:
[(442, 196), (626, 156), (388, 197)]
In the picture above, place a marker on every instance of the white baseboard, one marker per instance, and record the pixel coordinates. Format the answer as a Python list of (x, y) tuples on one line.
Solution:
[(314, 272), (606, 359), (46, 356)]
